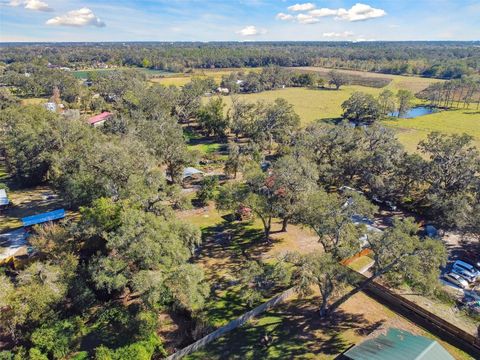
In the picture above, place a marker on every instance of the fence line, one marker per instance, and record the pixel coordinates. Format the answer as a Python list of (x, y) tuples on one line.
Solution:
[(232, 325), (396, 302)]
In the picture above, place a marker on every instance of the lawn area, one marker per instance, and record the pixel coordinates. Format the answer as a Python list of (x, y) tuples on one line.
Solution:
[(361, 263), (34, 101), (411, 131), (226, 248), (296, 331)]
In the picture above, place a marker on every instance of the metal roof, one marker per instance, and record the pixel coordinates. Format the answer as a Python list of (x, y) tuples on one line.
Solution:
[(41, 218), (3, 197), (190, 171), (398, 344), (100, 117)]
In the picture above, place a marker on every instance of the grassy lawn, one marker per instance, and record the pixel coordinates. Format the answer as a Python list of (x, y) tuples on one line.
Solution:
[(295, 331), (361, 263), (227, 246), (34, 101), (412, 131)]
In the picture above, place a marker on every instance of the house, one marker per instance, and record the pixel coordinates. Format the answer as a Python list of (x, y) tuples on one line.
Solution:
[(4, 202), (100, 119), (191, 172), (398, 344), (43, 218)]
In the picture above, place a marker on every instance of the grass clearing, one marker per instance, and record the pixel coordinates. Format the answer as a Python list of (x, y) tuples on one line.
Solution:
[(413, 83), (361, 263), (216, 74), (33, 101), (310, 104), (296, 331)]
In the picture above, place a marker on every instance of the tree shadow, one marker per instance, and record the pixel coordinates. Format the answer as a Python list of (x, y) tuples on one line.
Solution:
[(290, 331)]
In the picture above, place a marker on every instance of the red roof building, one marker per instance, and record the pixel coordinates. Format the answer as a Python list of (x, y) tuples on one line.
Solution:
[(100, 118)]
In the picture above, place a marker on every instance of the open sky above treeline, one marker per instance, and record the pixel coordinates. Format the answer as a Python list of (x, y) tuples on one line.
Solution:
[(238, 20)]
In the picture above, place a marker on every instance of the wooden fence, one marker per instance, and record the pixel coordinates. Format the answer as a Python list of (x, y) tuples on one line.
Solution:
[(424, 318)]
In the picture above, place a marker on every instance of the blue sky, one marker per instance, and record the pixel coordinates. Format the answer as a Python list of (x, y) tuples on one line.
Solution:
[(253, 20)]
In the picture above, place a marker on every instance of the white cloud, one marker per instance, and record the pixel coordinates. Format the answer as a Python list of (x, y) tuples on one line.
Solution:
[(283, 16), (360, 12), (301, 7), (36, 5), (306, 19), (344, 34), (81, 17), (323, 12), (251, 31)]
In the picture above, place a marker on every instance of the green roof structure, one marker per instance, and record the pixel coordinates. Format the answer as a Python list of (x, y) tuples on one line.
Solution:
[(398, 344)]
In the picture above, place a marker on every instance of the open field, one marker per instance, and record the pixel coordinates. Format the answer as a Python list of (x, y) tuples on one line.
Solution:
[(295, 331), (411, 131), (310, 104), (83, 74), (412, 83), (182, 79)]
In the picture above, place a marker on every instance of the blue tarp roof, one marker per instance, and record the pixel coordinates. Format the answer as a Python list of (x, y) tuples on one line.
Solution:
[(41, 218)]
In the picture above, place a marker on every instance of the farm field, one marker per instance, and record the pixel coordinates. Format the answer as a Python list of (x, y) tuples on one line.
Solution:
[(412, 83), (295, 331), (182, 79)]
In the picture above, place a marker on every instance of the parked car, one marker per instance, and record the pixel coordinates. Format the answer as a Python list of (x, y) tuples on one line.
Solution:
[(456, 279), (431, 231), (390, 205), (466, 269), (465, 274)]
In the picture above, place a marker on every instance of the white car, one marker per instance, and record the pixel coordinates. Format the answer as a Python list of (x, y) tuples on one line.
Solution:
[(456, 279), (466, 270)]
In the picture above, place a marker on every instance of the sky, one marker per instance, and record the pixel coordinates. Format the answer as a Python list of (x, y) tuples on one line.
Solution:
[(238, 20)]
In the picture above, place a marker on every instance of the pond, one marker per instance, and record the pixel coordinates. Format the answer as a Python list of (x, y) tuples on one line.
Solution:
[(415, 112)]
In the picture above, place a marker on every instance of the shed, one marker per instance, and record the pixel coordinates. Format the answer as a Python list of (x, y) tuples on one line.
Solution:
[(100, 118), (398, 344), (42, 218), (4, 202), (189, 172)]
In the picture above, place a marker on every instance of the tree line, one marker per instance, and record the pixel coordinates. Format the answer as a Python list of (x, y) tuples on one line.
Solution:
[(431, 59)]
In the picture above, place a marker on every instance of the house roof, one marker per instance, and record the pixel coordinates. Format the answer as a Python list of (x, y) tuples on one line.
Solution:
[(398, 344), (41, 218), (100, 117), (3, 197), (190, 171)]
